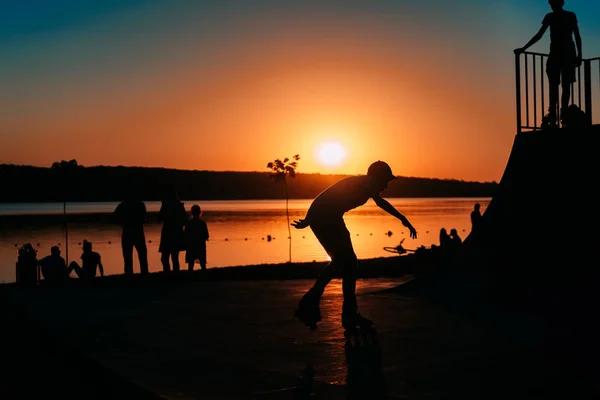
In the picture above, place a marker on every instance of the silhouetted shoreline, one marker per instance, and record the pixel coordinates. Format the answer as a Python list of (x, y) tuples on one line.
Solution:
[(99, 183), (381, 267)]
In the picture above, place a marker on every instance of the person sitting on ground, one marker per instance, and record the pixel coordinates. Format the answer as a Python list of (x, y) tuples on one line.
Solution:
[(455, 240), (54, 267), (90, 262), (196, 235), (445, 241)]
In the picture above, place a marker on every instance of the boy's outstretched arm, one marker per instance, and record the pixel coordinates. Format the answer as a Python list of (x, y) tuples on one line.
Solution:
[(387, 207), (533, 40)]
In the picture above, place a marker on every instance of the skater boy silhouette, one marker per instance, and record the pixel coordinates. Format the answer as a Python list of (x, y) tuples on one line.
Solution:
[(325, 218), (563, 58)]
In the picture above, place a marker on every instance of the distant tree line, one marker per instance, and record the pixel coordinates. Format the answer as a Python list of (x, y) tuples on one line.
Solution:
[(101, 183)]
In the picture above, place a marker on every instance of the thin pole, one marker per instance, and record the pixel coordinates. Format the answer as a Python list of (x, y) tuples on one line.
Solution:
[(534, 94), (579, 86), (526, 91), (542, 83), (287, 213), (518, 90), (66, 231), (587, 72)]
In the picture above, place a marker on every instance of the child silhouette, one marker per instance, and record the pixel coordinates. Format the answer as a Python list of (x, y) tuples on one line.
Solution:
[(563, 58)]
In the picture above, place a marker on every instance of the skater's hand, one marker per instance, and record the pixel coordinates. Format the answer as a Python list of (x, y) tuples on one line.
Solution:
[(300, 224), (413, 232)]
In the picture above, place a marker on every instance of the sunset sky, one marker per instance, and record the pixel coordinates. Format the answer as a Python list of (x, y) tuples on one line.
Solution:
[(426, 85)]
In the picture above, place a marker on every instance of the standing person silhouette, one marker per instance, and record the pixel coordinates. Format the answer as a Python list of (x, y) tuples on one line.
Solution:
[(131, 214), (563, 58), (196, 235), (475, 217), (325, 218), (172, 239)]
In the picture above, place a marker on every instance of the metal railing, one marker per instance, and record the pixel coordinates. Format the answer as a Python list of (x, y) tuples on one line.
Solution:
[(532, 89)]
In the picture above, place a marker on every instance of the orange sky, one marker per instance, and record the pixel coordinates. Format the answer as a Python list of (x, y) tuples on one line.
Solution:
[(236, 93)]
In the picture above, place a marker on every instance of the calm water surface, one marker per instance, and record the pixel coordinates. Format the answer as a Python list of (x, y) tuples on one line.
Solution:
[(238, 231)]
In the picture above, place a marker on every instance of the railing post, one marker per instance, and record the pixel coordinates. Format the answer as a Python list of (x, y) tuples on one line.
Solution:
[(518, 88), (587, 77)]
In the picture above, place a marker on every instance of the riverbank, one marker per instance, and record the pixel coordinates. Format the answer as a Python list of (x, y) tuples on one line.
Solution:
[(381, 267)]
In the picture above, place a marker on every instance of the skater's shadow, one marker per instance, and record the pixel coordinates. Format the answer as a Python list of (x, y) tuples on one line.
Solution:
[(305, 385), (365, 379)]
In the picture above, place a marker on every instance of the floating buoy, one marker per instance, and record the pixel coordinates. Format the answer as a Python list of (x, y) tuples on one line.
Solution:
[(109, 242), (389, 233), (149, 241), (226, 239), (302, 237), (269, 238), (245, 238), (78, 243)]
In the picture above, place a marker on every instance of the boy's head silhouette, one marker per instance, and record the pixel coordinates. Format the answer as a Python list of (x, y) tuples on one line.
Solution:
[(556, 5), (381, 173), (55, 251), (196, 211), (87, 246)]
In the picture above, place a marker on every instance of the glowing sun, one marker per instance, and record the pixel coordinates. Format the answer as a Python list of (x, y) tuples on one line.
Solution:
[(331, 153)]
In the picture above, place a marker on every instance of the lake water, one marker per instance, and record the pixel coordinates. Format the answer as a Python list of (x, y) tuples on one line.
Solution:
[(238, 230)]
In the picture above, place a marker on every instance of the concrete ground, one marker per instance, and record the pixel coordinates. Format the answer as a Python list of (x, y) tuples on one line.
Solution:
[(221, 340)]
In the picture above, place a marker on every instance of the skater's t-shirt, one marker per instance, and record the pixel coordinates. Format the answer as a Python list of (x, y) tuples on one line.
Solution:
[(340, 198), (562, 26)]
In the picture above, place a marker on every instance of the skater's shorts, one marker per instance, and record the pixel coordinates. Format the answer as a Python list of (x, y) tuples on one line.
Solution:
[(560, 67), (334, 237)]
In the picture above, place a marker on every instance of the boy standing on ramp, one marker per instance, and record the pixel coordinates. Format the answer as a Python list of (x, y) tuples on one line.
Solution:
[(325, 218), (563, 59)]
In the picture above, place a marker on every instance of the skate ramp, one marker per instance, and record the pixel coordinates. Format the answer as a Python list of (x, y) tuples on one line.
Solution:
[(538, 235), (531, 272)]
